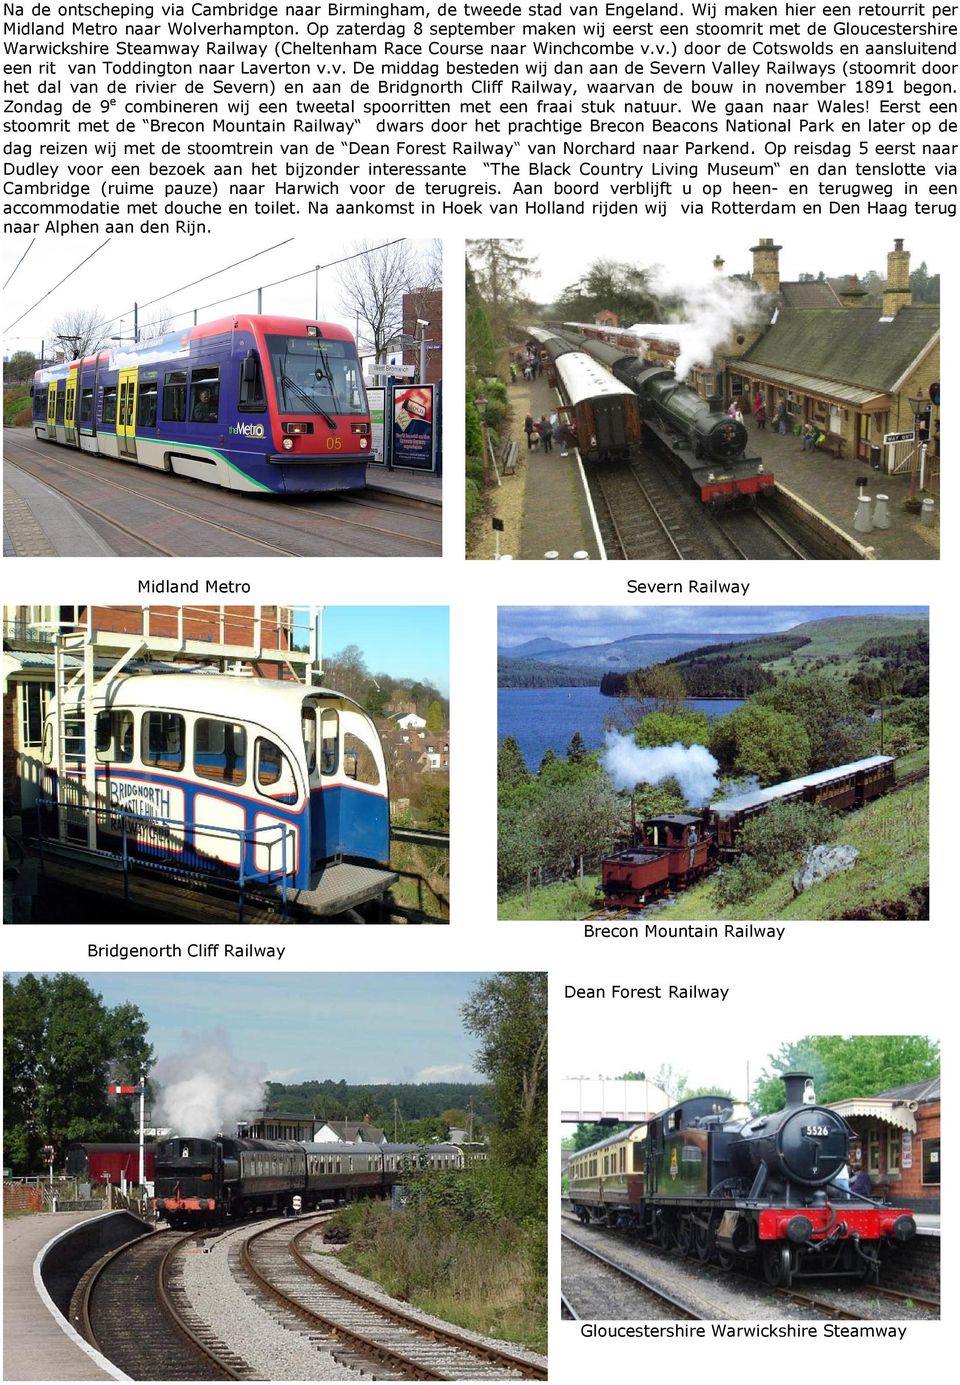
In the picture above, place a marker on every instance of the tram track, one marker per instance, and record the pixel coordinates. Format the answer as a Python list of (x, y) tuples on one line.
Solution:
[(129, 1308), (378, 527), (401, 1344)]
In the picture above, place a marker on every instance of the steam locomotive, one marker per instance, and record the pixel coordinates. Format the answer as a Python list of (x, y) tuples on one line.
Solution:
[(705, 444), (676, 849), (199, 1182), (768, 1192)]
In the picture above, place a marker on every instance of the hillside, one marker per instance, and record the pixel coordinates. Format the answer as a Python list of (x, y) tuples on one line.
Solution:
[(532, 673), (624, 655)]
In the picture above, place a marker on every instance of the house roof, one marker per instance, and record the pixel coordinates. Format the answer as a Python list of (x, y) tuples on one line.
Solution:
[(913, 1091), (813, 293), (845, 346), (350, 1130)]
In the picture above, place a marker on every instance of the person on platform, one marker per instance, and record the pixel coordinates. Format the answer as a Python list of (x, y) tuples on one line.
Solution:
[(529, 427), (546, 434)]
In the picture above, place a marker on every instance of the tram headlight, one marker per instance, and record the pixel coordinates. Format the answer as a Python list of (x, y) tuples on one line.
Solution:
[(287, 444)]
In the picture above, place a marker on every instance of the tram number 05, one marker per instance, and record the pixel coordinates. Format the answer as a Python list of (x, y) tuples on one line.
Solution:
[(334, 444)]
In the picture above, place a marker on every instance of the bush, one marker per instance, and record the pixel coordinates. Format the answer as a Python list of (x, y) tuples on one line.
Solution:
[(473, 501), (473, 429), (770, 844), (495, 389), (494, 413)]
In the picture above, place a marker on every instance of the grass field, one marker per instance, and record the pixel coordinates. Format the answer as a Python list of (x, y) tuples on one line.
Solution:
[(17, 407)]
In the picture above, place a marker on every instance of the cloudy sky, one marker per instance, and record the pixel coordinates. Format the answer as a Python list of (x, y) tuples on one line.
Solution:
[(362, 1027), (579, 625), (686, 248)]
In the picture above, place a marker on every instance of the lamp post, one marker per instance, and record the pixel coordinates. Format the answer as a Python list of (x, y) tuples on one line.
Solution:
[(917, 405)]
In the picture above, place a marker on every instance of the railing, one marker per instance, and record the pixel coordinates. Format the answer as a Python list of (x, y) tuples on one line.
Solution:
[(171, 846)]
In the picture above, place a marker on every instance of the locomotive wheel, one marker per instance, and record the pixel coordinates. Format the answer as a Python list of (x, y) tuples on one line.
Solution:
[(686, 1235), (870, 1271), (778, 1266), (703, 1241)]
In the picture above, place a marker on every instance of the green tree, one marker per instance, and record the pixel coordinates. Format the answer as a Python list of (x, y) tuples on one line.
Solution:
[(666, 728), (845, 1066), (500, 268), (835, 723), (62, 1046), (771, 843), (755, 739), (511, 766), (507, 1013), (549, 759), (577, 749), (434, 716)]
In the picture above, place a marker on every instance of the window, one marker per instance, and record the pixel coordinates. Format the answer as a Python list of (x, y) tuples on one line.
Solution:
[(358, 760), (86, 406), (220, 751), (61, 396), (33, 711), (39, 402), (893, 1152), (275, 777), (253, 396), (162, 740), (931, 1161), (115, 737), (175, 396), (329, 741), (873, 1152), (205, 395), (108, 413), (147, 405), (308, 726)]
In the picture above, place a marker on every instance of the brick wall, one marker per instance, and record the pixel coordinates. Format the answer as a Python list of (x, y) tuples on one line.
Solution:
[(914, 1266)]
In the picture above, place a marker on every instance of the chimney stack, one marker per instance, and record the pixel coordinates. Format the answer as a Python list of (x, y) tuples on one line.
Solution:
[(796, 1086), (852, 296), (766, 265), (897, 294)]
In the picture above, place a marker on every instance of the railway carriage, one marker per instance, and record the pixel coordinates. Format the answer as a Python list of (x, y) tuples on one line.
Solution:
[(250, 403), (760, 1191), (211, 1180), (281, 779), (675, 850), (113, 1163), (602, 413)]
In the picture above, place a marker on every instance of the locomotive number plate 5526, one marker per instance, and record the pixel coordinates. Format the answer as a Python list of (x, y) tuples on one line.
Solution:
[(816, 1130)]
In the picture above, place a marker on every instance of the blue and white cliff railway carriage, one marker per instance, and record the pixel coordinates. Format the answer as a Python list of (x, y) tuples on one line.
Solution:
[(238, 776), (250, 403)]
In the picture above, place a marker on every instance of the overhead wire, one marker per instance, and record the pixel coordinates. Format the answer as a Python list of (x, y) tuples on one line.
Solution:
[(73, 271), (19, 262)]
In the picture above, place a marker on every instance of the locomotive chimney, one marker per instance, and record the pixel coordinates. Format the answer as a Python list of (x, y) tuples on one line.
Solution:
[(796, 1085), (766, 265)]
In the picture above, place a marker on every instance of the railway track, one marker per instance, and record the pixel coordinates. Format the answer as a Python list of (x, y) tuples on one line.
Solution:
[(856, 1310), (400, 1344), (756, 535), (646, 1291), (144, 511), (128, 1306)]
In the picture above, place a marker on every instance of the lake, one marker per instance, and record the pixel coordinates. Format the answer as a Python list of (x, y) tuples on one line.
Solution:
[(542, 718)]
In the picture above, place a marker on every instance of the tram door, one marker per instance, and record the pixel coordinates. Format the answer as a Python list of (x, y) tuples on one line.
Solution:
[(52, 409), (126, 413), (70, 410)]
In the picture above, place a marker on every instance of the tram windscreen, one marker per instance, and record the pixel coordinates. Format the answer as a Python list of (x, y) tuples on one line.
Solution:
[(314, 376)]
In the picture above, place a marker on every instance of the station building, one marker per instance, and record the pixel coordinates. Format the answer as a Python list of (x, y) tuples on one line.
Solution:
[(898, 1142), (862, 374)]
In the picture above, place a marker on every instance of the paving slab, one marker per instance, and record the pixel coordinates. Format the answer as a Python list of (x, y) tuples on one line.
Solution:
[(556, 510), (35, 1344), (414, 485)]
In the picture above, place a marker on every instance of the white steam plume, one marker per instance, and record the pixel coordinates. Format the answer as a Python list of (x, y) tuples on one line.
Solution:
[(629, 764), (206, 1089), (711, 311)]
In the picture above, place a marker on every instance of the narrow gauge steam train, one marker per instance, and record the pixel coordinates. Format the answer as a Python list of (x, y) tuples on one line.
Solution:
[(602, 413), (708, 447), (200, 1181), (675, 850), (762, 1191), (109, 1163), (220, 769), (265, 404)]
